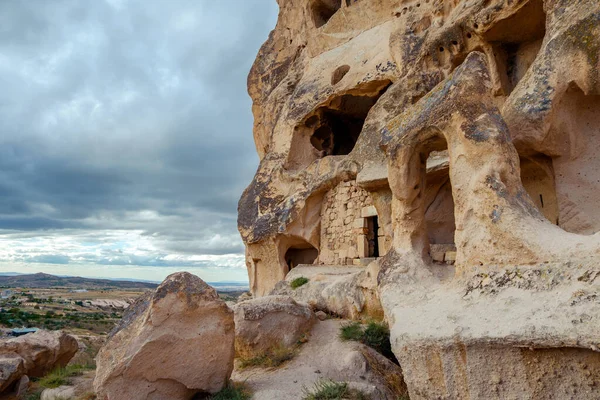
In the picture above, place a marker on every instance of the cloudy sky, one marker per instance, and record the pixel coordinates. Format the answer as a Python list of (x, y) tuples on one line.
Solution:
[(126, 134)]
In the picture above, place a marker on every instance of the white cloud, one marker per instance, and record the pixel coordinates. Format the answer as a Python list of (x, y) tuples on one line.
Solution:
[(126, 132)]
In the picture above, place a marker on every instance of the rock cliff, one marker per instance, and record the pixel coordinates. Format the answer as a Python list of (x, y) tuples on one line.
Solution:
[(452, 143)]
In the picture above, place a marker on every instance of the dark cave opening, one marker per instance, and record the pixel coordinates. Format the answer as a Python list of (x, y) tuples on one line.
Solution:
[(337, 127), (300, 255), (323, 10)]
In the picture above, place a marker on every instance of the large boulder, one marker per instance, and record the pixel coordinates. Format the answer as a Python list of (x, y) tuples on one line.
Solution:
[(173, 343), (270, 321), (33, 355), (41, 351)]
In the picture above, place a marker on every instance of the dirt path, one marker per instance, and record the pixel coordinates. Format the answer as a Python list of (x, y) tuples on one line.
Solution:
[(323, 356)]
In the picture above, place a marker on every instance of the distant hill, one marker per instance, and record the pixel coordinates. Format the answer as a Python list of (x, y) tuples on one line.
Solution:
[(42, 281)]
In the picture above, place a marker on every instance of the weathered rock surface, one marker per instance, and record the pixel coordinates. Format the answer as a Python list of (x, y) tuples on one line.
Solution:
[(33, 355), (41, 351), (324, 355), (59, 393), (267, 322), (450, 124), (11, 370), (348, 292), (172, 343), (17, 390)]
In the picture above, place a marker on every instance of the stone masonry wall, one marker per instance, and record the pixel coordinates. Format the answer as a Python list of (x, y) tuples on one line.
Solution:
[(344, 231)]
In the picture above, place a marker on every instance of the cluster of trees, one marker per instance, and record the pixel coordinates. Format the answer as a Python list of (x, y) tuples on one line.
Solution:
[(97, 321)]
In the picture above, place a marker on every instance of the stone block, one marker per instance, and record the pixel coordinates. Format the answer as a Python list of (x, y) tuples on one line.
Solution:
[(362, 246), (352, 252), (437, 256), (360, 223), (450, 256), (363, 262), (368, 211)]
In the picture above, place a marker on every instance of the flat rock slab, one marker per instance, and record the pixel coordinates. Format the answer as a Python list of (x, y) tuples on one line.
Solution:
[(309, 271)]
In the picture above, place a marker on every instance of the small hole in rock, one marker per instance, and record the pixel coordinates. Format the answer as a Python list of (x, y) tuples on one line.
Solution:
[(476, 26), (454, 42), (441, 49), (339, 74), (469, 35)]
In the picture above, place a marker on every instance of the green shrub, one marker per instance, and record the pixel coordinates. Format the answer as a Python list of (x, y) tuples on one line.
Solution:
[(233, 391), (376, 335), (33, 395), (326, 389), (351, 331), (296, 283)]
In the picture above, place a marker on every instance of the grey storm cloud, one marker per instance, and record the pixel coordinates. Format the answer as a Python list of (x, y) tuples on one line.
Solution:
[(127, 115)]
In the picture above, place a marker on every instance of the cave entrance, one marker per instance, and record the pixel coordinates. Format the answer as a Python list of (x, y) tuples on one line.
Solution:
[(439, 208), (336, 127), (576, 130), (323, 10), (372, 236), (516, 41), (300, 254)]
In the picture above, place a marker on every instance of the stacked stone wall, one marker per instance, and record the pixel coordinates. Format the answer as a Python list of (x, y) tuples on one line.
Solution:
[(344, 229)]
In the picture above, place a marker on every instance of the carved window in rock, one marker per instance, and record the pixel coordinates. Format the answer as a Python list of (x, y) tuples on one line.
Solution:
[(300, 254), (333, 129), (516, 42), (322, 10), (439, 206), (337, 127)]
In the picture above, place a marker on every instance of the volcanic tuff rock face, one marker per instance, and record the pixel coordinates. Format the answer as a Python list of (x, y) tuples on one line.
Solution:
[(458, 141)]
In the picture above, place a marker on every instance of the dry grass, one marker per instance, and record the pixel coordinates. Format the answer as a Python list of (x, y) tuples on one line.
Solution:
[(61, 376), (325, 389), (273, 358)]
